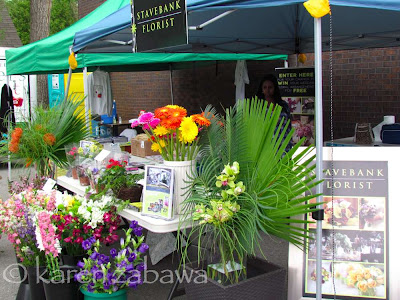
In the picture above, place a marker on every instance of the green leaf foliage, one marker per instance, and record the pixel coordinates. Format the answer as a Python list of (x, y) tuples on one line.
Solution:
[(64, 123), (276, 182), (63, 14)]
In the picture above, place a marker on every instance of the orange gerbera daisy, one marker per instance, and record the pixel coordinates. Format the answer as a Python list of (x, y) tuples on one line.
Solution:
[(171, 123), (49, 139), (201, 120), (161, 112)]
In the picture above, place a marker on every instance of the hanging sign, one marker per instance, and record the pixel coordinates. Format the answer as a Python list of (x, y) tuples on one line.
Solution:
[(354, 232), (158, 24), (296, 82)]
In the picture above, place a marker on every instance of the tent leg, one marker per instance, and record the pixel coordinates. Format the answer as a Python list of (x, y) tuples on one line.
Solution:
[(85, 91), (171, 84), (318, 144), (8, 132), (68, 82)]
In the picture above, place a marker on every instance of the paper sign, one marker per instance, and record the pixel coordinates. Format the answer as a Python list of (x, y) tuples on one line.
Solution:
[(50, 183), (102, 155)]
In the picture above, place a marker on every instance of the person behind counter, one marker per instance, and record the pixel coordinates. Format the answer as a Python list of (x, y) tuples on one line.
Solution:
[(269, 91)]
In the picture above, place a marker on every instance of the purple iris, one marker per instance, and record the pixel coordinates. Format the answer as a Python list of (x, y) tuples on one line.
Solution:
[(98, 275), (104, 258), (81, 264), (133, 224), (129, 268), (90, 287), (113, 253), (143, 248), (132, 257), (141, 267), (138, 231), (94, 255), (92, 239), (78, 277), (86, 244), (106, 284)]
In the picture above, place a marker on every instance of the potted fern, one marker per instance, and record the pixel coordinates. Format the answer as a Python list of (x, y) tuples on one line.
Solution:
[(246, 182)]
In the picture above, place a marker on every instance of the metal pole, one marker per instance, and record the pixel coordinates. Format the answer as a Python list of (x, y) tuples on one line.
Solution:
[(85, 91), (68, 82), (8, 129), (318, 144), (171, 84)]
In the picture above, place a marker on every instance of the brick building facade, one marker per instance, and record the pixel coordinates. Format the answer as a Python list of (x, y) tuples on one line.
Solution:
[(365, 85)]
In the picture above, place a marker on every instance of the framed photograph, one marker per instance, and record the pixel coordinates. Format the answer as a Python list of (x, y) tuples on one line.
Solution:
[(158, 192)]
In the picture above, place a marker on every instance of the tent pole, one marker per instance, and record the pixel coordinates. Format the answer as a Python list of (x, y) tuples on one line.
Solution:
[(85, 92), (8, 131), (68, 82), (171, 84), (318, 145)]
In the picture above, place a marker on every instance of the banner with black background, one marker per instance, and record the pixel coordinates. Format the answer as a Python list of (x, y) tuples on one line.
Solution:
[(158, 24), (357, 238)]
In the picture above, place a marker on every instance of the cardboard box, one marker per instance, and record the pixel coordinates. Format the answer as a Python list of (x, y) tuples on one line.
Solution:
[(141, 148)]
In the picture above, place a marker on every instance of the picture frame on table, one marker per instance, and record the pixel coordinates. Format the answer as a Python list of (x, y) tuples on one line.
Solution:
[(158, 192)]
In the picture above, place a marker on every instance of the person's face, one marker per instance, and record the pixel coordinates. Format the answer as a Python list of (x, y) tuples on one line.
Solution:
[(268, 89)]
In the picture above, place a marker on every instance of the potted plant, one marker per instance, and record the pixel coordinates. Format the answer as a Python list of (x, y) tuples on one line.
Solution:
[(176, 136), (71, 152), (108, 277), (41, 141), (123, 184), (246, 182)]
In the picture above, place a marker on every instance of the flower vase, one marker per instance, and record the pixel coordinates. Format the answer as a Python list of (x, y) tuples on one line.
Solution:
[(118, 295), (64, 290), (183, 170)]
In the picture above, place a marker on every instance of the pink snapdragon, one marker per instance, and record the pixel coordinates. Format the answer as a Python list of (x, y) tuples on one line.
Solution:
[(48, 235)]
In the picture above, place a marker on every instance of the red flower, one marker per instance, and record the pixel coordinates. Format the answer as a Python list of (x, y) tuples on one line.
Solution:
[(68, 239), (76, 232), (79, 240)]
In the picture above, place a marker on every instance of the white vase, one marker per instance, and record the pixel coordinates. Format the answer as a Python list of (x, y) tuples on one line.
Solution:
[(182, 171)]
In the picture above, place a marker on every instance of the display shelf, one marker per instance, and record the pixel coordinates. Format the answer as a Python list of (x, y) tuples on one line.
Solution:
[(72, 185)]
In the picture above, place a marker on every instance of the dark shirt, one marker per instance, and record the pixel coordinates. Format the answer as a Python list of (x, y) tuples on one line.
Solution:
[(285, 113)]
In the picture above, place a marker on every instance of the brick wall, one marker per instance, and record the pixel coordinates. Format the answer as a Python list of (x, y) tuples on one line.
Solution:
[(86, 6), (365, 87)]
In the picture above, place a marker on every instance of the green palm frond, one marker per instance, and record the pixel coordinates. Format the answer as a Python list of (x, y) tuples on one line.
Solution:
[(278, 184)]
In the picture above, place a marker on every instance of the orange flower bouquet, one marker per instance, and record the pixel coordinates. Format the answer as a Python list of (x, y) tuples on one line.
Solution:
[(173, 133), (42, 139)]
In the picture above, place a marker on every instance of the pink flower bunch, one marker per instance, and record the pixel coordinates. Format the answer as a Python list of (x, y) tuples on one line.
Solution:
[(146, 120), (49, 242)]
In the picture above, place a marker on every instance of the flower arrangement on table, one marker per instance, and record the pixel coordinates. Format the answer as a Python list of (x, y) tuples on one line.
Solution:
[(116, 178), (71, 152), (17, 216), (77, 218), (173, 133), (246, 181), (41, 141), (121, 269)]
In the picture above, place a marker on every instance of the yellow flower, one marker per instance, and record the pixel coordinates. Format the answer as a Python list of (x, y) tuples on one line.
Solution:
[(188, 130), (161, 143), (160, 131), (69, 200), (362, 285), (371, 283), (367, 274), (156, 147)]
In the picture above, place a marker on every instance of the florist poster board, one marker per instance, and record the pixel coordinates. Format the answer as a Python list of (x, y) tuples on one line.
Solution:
[(363, 228), (158, 192), (297, 87)]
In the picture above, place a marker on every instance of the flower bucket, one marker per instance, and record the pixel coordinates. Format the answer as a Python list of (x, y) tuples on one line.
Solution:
[(182, 171), (62, 290), (118, 295), (74, 172), (35, 284)]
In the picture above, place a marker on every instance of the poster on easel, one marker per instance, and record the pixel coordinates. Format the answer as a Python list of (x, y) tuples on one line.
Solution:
[(158, 192), (354, 233), (297, 88)]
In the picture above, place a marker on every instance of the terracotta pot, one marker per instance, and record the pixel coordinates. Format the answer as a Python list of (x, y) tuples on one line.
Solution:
[(74, 172), (84, 180)]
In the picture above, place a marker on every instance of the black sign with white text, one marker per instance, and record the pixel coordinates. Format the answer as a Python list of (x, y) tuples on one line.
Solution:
[(296, 82), (158, 24)]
